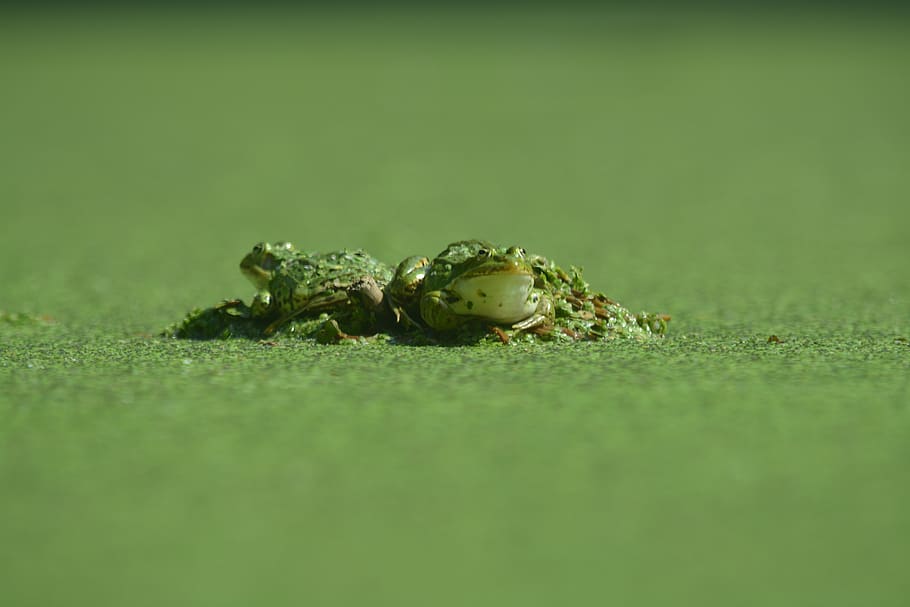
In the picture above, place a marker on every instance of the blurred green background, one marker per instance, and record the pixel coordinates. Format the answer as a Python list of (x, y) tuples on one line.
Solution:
[(745, 172)]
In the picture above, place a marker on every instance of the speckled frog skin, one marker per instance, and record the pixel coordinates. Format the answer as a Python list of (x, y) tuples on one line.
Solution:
[(471, 280), (293, 283)]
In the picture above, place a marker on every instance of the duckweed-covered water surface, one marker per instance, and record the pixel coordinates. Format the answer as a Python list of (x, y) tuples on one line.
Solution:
[(744, 176)]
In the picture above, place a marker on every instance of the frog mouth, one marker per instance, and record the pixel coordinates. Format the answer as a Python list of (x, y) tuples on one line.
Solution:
[(257, 275), (501, 298)]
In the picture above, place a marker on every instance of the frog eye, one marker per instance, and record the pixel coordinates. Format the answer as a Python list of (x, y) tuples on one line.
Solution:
[(258, 248), (483, 253)]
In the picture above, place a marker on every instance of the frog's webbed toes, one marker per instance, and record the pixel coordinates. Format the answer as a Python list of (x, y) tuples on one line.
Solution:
[(261, 304), (234, 307), (532, 322), (542, 316), (330, 333), (404, 318)]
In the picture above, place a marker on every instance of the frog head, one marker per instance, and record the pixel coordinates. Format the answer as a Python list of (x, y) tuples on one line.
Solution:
[(403, 291), (259, 264), (472, 279)]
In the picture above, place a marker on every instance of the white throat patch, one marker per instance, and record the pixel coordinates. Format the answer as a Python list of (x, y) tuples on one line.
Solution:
[(502, 298)]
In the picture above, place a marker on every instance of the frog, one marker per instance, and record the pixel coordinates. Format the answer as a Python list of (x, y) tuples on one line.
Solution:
[(292, 283), (471, 281)]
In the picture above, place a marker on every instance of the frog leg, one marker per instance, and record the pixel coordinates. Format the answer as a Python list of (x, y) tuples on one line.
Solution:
[(259, 307), (325, 300), (542, 316), (234, 307), (331, 333), (230, 304), (436, 311)]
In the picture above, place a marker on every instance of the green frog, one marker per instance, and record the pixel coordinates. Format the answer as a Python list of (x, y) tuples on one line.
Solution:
[(471, 280), (292, 283)]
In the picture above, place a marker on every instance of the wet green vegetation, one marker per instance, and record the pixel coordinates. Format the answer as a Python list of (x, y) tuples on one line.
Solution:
[(745, 176)]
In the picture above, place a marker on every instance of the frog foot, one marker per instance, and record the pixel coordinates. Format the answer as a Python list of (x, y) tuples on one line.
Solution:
[(403, 318), (234, 307), (436, 310), (542, 316), (331, 333), (261, 304)]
